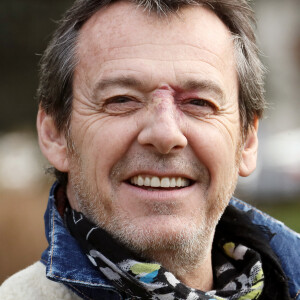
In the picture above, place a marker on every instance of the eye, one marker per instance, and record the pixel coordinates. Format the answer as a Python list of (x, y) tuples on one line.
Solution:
[(200, 102), (198, 107), (119, 99), (121, 105)]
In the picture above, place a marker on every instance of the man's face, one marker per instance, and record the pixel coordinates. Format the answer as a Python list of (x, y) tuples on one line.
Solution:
[(155, 127)]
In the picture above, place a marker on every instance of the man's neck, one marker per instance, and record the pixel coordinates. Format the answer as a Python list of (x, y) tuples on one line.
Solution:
[(200, 278), (195, 274)]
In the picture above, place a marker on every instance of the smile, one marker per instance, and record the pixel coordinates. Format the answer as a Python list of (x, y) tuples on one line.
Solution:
[(160, 182)]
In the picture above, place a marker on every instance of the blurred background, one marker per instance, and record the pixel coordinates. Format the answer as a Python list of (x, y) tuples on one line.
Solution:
[(25, 29)]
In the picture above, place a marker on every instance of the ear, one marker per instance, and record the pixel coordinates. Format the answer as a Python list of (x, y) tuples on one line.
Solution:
[(53, 143), (249, 151)]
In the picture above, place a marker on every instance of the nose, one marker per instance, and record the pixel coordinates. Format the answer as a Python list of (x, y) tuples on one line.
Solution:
[(162, 130)]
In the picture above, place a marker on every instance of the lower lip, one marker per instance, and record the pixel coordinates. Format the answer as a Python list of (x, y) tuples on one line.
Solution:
[(158, 194)]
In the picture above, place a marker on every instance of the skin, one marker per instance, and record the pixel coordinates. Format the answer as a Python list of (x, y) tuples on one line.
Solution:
[(156, 97)]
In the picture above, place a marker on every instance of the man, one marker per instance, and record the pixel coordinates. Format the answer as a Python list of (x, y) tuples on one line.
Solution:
[(149, 112)]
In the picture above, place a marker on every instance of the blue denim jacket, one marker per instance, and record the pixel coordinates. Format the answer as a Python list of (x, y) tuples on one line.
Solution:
[(66, 263)]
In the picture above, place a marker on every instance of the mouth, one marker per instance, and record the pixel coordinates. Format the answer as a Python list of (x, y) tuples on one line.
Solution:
[(155, 182)]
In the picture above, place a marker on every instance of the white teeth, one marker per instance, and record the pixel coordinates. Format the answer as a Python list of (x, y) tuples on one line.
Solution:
[(173, 182), (184, 182), (155, 182), (140, 181), (164, 182), (147, 181)]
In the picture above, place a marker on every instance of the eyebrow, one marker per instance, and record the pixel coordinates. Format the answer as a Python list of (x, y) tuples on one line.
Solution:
[(205, 84), (133, 82), (120, 81)]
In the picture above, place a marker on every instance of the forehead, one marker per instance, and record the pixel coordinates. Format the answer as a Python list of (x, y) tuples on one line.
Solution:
[(122, 23), (123, 31)]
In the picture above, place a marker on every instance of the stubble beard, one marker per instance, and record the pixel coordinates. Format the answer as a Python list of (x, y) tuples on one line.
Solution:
[(179, 250)]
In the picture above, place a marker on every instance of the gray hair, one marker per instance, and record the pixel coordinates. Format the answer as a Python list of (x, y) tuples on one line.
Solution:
[(59, 60)]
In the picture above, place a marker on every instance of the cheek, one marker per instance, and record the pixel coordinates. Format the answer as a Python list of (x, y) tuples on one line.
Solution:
[(214, 148), (106, 142)]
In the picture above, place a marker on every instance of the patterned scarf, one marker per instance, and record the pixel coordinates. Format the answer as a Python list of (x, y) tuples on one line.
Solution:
[(237, 269)]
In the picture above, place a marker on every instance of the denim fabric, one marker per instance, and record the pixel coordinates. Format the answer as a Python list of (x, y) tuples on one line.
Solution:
[(66, 263), (285, 243)]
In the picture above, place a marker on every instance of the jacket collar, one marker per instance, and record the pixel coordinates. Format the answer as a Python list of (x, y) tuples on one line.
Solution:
[(66, 263), (63, 258)]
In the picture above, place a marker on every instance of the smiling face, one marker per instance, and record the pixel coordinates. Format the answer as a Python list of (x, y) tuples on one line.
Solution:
[(155, 130)]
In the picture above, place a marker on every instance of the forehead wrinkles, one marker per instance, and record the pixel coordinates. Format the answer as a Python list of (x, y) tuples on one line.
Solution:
[(182, 60), (123, 39), (163, 52), (121, 25)]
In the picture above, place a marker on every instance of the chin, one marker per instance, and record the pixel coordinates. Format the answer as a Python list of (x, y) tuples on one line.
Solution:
[(157, 233), (174, 242)]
